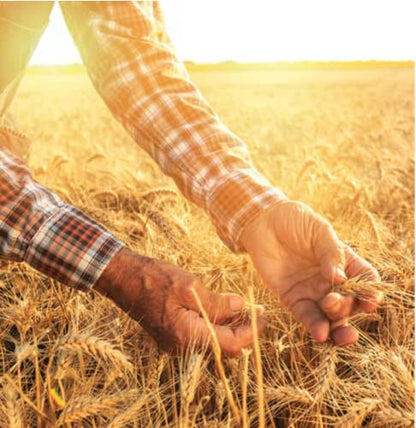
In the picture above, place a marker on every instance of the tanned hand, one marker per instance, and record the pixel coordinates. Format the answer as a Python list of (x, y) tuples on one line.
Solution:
[(159, 296)]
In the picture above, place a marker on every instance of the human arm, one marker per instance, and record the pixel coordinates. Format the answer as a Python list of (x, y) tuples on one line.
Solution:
[(21, 26), (136, 71), (147, 88), (60, 241), (55, 238)]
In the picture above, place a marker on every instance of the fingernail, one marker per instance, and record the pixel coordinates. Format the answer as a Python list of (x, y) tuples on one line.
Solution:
[(340, 323), (332, 301), (339, 273), (236, 303), (260, 309), (380, 297)]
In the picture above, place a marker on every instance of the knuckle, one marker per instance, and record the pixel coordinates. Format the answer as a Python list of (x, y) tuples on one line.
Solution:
[(194, 281), (193, 284), (233, 350), (188, 287), (180, 337), (285, 300), (304, 209), (213, 302), (288, 299), (324, 226)]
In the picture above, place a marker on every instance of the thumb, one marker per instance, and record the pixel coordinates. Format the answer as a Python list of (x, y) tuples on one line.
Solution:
[(219, 307), (330, 252)]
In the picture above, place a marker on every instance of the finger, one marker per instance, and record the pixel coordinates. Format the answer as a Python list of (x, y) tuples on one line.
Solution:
[(337, 306), (357, 266), (343, 322), (309, 314), (219, 307), (369, 301), (330, 253), (344, 335), (231, 340), (313, 288)]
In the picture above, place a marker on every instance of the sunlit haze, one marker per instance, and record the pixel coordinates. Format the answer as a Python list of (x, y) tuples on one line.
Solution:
[(267, 30)]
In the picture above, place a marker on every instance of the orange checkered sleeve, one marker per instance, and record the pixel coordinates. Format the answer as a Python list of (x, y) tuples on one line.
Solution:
[(135, 69)]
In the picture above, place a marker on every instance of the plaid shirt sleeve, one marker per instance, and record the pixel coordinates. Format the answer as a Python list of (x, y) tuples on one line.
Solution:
[(53, 237), (135, 69)]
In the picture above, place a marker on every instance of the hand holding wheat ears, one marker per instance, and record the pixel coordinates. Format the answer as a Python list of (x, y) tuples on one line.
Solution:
[(300, 258), (161, 297)]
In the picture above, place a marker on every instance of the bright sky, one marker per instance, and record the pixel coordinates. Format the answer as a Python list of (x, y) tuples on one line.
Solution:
[(270, 30)]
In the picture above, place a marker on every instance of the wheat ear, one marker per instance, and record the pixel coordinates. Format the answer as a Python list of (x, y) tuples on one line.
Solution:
[(257, 355), (217, 354), (98, 348)]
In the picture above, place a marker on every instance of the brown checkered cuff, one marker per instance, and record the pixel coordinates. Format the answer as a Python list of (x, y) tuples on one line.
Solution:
[(71, 248)]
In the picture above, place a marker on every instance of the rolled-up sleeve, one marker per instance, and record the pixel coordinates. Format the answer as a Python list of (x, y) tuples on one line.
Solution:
[(135, 69), (55, 238)]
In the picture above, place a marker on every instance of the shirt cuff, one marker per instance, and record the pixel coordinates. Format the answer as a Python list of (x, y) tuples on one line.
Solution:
[(71, 248), (237, 201)]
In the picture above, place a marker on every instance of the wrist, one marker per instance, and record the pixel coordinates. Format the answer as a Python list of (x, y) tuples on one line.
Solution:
[(237, 201), (254, 227), (118, 273), (106, 282)]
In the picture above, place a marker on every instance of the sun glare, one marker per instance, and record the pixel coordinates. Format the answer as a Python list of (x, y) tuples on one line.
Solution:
[(246, 31)]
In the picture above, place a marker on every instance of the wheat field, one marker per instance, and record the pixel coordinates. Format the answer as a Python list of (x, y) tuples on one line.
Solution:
[(340, 140)]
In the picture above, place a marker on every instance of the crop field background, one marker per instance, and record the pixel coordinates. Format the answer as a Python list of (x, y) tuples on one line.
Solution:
[(340, 140)]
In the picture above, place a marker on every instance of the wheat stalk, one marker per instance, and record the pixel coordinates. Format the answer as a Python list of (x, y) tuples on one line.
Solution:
[(130, 414), (307, 165), (96, 347), (244, 384), (373, 225), (389, 416), (12, 407), (165, 225), (257, 355), (326, 372), (217, 354), (84, 406), (288, 394), (356, 414), (161, 191), (189, 382)]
